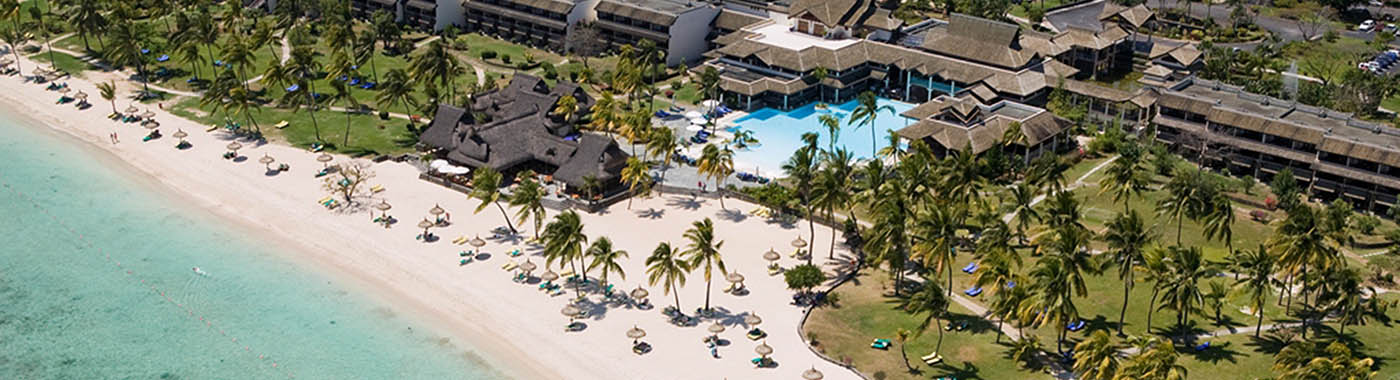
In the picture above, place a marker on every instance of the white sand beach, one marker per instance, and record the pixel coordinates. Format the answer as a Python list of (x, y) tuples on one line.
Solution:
[(514, 327)]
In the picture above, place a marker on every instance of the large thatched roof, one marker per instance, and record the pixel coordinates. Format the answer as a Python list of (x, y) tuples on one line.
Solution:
[(956, 123)]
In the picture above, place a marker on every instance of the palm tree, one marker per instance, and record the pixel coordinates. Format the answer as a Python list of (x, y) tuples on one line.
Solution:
[(342, 94), (188, 51), (125, 50), (1048, 173), (717, 164), (1096, 358), (832, 188), (1023, 350), (661, 143), (564, 240), (1158, 361), (801, 169), (604, 114), (703, 252), (242, 101), (278, 74), (43, 30), (15, 37), (566, 107), (832, 123), (903, 336), (486, 185), (936, 232), (606, 257), (396, 89), (709, 82), (1127, 239), (819, 74), (436, 63), (1126, 177), (305, 65), (867, 109), (1258, 281), (238, 52), (1182, 201), (528, 202), (108, 90), (86, 17), (1155, 267), (1302, 244), (1022, 207), (1051, 298), (930, 301), (637, 176), (265, 34), (667, 267), (1182, 291)]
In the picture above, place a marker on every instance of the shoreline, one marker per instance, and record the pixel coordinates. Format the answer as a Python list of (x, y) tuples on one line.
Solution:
[(370, 287), (513, 329)]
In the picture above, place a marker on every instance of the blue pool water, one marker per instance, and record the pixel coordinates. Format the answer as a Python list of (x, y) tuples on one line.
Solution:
[(780, 133), (68, 311)]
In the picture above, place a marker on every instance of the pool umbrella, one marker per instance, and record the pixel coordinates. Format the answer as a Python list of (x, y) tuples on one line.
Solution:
[(528, 266), (383, 207), (80, 95), (812, 374), (695, 128), (266, 160), (752, 319), (636, 333), (132, 109), (693, 115), (64, 90), (425, 224), (799, 243), (234, 147), (180, 134), (324, 159), (763, 349), (477, 242), (549, 276), (640, 293), (148, 114), (716, 328)]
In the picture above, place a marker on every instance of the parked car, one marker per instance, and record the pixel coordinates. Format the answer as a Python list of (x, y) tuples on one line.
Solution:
[(1367, 26)]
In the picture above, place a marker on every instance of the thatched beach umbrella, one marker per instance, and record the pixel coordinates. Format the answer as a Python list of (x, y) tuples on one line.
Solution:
[(752, 319), (383, 207), (436, 210), (80, 95), (150, 124), (267, 160), (234, 147), (324, 159), (64, 90), (771, 255), (636, 333), (131, 109), (734, 277), (640, 293), (812, 374), (799, 243), (180, 134), (549, 276), (425, 225), (477, 242), (148, 114), (527, 266), (52, 76), (571, 311), (716, 328), (763, 349)]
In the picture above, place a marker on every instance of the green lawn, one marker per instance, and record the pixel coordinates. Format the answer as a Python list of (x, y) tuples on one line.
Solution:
[(1023, 9), (1334, 56), (863, 313), (1098, 209), (65, 62), (368, 134)]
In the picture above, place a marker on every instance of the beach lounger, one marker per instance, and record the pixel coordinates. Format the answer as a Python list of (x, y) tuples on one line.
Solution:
[(459, 240), (465, 261), (756, 334), (970, 268), (1075, 326), (566, 274), (880, 344), (641, 348), (282, 124), (774, 270), (932, 359), (510, 266), (515, 253), (376, 189), (574, 326), (973, 292), (211, 128), (1203, 346)]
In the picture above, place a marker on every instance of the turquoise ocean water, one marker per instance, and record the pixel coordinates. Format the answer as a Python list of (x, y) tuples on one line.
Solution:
[(67, 311)]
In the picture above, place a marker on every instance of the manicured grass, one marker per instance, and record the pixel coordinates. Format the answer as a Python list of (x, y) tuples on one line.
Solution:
[(65, 62), (368, 134), (863, 313), (1023, 9), (1392, 103), (1340, 55)]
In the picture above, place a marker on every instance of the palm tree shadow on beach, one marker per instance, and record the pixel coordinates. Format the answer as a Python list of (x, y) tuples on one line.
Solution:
[(650, 213), (733, 215), (681, 202)]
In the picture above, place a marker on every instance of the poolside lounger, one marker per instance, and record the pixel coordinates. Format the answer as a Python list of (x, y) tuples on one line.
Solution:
[(459, 240), (1075, 326), (566, 274), (973, 292), (1203, 346), (970, 268), (282, 124)]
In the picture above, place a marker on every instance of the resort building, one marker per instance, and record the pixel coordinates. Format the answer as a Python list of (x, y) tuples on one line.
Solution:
[(365, 8), (1335, 154), (1110, 105), (678, 26), (1099, 15), (1171, 63), (540, 23), (731, 20), (838, 19), (514, 128), (953, 124)]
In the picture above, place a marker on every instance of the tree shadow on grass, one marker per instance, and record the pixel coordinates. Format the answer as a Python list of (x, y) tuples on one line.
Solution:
[(1271, 342), (1212, 354), (966, 371)]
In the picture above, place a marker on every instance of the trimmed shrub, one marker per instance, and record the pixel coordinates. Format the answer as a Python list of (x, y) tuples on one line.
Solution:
[(488, 54)]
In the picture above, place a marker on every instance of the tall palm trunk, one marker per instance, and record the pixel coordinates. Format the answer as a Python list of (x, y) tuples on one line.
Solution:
[(347, 126), (311, 107), (1151, 307), (812, 231), (831, 254), (1127, 288), (512, 228), (939, 346)]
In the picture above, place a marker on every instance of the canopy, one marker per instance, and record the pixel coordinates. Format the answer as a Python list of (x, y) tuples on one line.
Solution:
[(425, 224), (383, 206), (570, 311), (477, 242), (763, 349), (150, 124), (148, 114), (549, 275), (180, 134), (694, 114), (436, 210), (771, 255), (799, 243), (266, 159), (234, 146), (80, 95), (528, 266), (716, 328), (324, 158), (734, 277), (640, 293), (132, 109), (752, 319), (812, 374), (636, 333)]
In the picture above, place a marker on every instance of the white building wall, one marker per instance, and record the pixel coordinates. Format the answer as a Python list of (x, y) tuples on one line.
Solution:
[(688, 35), (584, 10)]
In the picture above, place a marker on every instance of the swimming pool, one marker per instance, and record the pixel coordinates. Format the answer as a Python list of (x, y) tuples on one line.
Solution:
[(779, 133)]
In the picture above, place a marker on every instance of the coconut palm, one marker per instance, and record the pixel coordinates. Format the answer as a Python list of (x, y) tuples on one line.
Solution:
[(1096, 358), (240, 100), (566, 107), (239, 53), (1157, 362), (604, 256), (1126, 177), (108, 90), (1309, 360), (87, 18), (343, 95), (1127, 237), (1301, 244), (42, 30), (1156, 269), (801, 169), (1022, 208), (931, 301), (188, 51), (15, 37), (396, 88), (528, 202), (819, 74), (265, 34), (435, 63), (305, 66), (716, 164), (867, 109), (1182, 291), (125, 50), (1218, 218), (1051, 296), (1258, 282), (1048, 173), (661, 143), (1351, 300), (832, 188), (936, 230), (637, 176), (605, 114), (665, 266), (486, 185), (1183, 199), (832, 123), (564, 240), (1024, 350), (1006, 304), (703, 252), (278, 74)]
